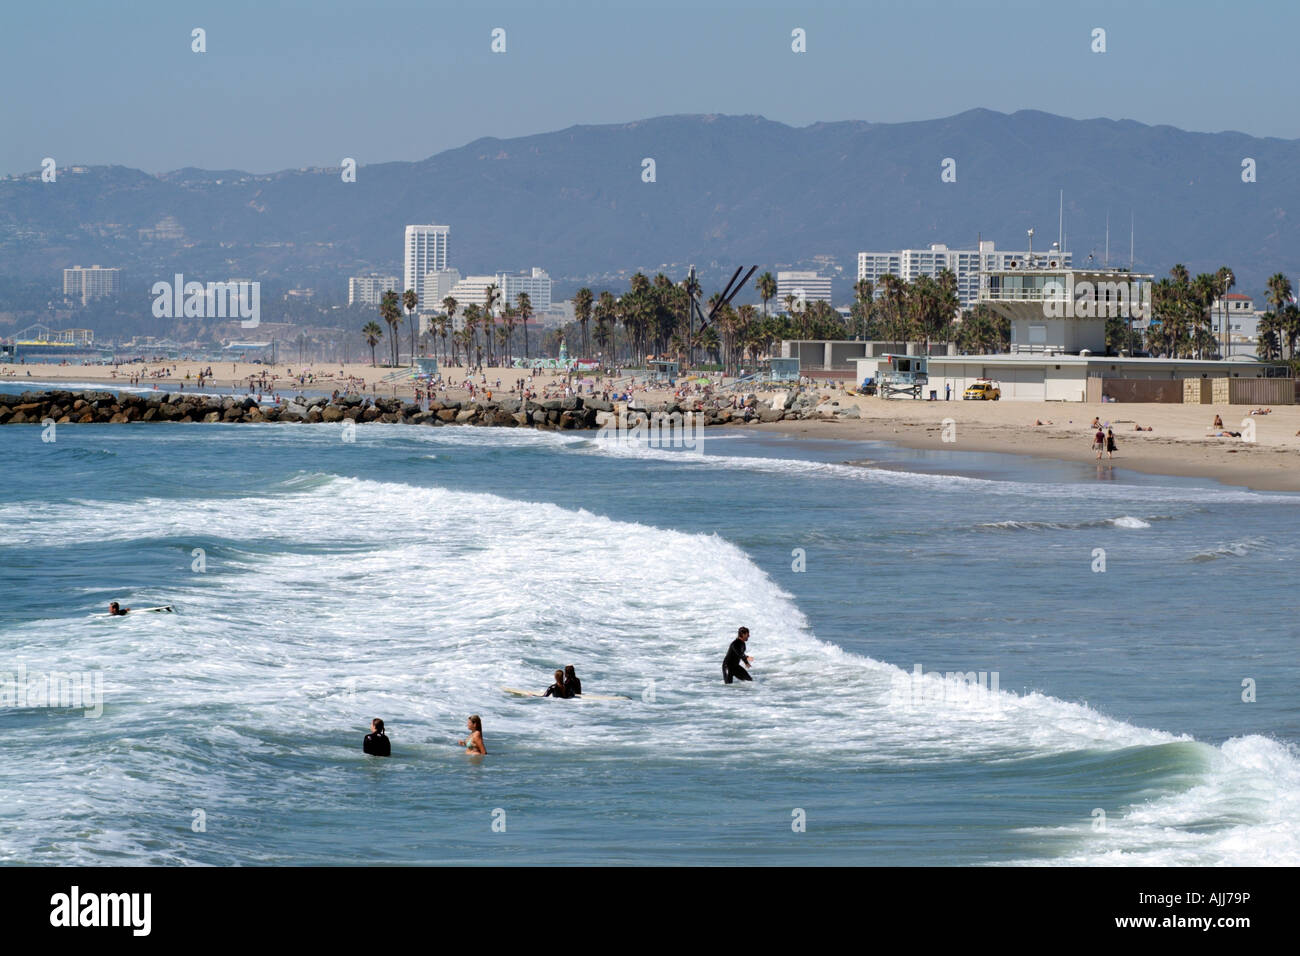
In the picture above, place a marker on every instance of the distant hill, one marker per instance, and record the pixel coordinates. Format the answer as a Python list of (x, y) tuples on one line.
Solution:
[(729, 189)]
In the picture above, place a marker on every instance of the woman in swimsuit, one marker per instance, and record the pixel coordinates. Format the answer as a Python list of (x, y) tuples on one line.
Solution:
[(474, 745)]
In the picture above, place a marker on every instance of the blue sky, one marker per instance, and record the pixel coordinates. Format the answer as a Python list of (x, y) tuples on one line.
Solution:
[(299, 83)]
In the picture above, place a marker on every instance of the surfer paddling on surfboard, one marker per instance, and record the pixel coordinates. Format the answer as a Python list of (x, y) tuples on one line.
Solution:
[(116, 610), (558, 689), (474, 745), (731, 664), (572, 686)]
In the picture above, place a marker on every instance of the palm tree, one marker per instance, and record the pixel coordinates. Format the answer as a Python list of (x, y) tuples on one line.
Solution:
[(391, 313), (471, 317), (582, 312), (864, 293), (491, 296), (1270, 334), (1279, 296), (766, 286), (1205, 289), (410, 300), (1224, 281), (525, 313), (510, 315), (373, 333), (441, 325), (450, 305), (606, 316)]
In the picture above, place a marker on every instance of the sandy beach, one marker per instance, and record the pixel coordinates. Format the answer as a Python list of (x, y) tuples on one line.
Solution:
[(1179, 442)]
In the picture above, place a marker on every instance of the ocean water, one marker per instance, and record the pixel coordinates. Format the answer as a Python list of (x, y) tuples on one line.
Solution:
[(414, 572)]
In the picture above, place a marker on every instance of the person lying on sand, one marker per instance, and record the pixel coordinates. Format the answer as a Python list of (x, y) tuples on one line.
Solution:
[(1139, 428)]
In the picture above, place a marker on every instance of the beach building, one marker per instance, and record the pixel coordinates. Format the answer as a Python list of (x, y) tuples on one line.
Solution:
[(536, 282), (1058, 318), (370, 289), (966, 264), (425, 251), (472, 290), (804, 286), (93, 283), (1236, 323)]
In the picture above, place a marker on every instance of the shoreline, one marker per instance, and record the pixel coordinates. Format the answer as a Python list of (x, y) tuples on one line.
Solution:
[(1181, 442), (1254, 471)]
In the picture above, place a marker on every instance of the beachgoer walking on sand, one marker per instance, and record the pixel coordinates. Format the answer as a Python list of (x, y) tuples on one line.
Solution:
[(1110, 443), (1099, 442)]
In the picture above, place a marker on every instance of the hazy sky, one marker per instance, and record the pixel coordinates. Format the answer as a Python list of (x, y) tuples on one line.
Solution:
[(301, 83)]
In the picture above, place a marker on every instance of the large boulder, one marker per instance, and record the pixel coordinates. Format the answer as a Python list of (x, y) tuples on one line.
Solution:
[(771, 414), (331, 413), (447, 415)]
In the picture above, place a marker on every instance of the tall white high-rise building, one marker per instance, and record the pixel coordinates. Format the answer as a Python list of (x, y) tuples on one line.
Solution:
[(368, 290), (805, 286), (93, 283), (425, 251), (536, 283), (965, 264), (473, 290)]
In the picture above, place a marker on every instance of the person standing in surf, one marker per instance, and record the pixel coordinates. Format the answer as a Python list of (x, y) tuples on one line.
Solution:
[(731, 664), (474, 745), (376, 743)]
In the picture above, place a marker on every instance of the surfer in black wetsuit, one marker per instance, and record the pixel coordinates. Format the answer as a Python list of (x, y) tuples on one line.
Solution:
[(572, 686), (116, 610), (732, 666), (376, 743), (557, 689)]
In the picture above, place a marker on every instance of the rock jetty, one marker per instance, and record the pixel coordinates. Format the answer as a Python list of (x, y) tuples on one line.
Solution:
[(93, 407)]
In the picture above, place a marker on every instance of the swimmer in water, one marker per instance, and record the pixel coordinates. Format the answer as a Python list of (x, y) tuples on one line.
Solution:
[(376, 743), (731, 664), (572, 686), (474, 745), (116, 610), (557, 689)]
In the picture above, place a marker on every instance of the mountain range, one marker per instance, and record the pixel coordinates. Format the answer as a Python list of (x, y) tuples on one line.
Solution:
[(726, 190)]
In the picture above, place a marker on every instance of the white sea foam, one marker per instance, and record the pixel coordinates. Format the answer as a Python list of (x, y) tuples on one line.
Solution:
[(434, 599)]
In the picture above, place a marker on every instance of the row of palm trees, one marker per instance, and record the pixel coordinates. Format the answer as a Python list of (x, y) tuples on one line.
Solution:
[(652, 317), (482, 327), (1183, 318)]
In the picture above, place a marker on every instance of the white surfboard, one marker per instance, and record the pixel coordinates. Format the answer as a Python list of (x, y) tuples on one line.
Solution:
[(165, 608), (537, 693)]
